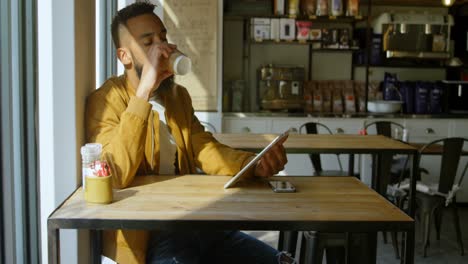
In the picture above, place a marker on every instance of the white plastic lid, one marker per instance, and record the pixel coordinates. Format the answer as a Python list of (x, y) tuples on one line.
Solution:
[(94, 149), (182, 65)]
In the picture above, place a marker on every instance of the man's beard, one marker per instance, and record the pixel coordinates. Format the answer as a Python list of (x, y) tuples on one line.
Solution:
[(166, 84), (138, 69)]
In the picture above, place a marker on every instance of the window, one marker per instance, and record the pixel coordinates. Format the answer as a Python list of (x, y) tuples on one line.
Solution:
[(18, 182), (106, 59)]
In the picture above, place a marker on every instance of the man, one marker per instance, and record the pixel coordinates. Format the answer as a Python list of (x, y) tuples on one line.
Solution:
[(147, 126)]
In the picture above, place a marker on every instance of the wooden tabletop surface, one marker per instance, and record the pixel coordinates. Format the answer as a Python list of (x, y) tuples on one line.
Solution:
[(435, 149), (199, 201), (307, 143)]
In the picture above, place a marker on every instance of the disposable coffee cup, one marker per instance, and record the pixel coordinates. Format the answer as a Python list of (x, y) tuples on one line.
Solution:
[(179, 63)]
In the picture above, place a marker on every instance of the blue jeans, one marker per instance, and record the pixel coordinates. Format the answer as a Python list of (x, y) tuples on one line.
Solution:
[(200, 247)]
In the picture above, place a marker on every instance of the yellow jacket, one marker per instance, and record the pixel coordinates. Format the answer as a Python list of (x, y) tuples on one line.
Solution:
[(125, 125)]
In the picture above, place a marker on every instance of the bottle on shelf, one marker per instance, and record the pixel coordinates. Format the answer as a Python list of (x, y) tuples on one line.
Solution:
[(279, 7), (322, 8), (352, 8), (293, 9), (336, 8), (308, 8)]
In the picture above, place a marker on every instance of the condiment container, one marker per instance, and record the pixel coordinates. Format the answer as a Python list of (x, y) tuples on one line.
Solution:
[(89, 154), (98, 189)]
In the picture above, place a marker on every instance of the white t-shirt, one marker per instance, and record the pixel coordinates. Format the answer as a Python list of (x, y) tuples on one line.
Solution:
[(167, 145)]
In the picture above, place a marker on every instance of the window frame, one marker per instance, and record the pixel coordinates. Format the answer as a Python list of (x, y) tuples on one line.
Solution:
[(18, 183)]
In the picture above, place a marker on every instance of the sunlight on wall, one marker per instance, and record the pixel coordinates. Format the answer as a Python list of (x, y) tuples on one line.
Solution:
[(193, 26)]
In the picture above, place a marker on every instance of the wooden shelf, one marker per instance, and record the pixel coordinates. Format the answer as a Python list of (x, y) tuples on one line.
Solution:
[(400, 66), (406, 62), (296, 42), (322, 19), (335, 50), (281, 42), (431, 3)]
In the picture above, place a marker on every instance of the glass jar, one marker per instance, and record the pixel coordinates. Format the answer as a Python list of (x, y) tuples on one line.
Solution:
[(89, 154)]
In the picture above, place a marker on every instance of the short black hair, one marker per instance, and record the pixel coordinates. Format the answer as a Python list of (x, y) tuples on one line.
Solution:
[(123, 15)]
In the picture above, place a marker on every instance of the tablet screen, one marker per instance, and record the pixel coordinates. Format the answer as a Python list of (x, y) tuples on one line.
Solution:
[(238, 176)]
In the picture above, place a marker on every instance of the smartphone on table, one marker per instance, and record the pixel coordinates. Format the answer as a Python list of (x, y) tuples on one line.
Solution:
[(282, 186)]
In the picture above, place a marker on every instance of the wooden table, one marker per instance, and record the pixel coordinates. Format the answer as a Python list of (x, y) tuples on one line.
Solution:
[(312, 143), (197, 202), (324, 144), (433, 149), (376, 145)]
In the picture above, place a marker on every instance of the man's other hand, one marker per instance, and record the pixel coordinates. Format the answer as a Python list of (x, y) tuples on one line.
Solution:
[(273, 161)]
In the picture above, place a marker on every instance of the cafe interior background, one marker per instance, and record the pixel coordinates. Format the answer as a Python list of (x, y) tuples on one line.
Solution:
[(257, 68)]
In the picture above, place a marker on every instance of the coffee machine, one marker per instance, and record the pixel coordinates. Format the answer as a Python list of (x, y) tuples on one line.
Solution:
[(280, 87), (414, 35)]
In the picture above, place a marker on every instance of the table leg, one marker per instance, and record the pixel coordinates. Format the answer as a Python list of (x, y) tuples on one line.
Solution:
[(288, 241), (409, 238), (412, 190), (53, 241), (381, 165), (408, 257), (373, 247), (348, 259), (361, 248), (372, 238), (96, 246), (375, 171), (351, 165), (281, 240), (384, 174)]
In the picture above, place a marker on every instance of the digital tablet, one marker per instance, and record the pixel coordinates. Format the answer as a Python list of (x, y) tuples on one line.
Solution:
[(238, 176)]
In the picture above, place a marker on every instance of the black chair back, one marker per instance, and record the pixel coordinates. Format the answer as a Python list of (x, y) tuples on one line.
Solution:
[(384, 127), (312, 128), (451, 153)]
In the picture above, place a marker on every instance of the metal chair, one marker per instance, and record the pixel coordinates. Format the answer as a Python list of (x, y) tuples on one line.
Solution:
[(396, 168), (316, 242), (384, 128), (337, 246), (312, 128), (430, 207)]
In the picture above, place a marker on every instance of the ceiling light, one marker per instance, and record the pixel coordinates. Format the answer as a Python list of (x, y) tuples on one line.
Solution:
[(448, 2)]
